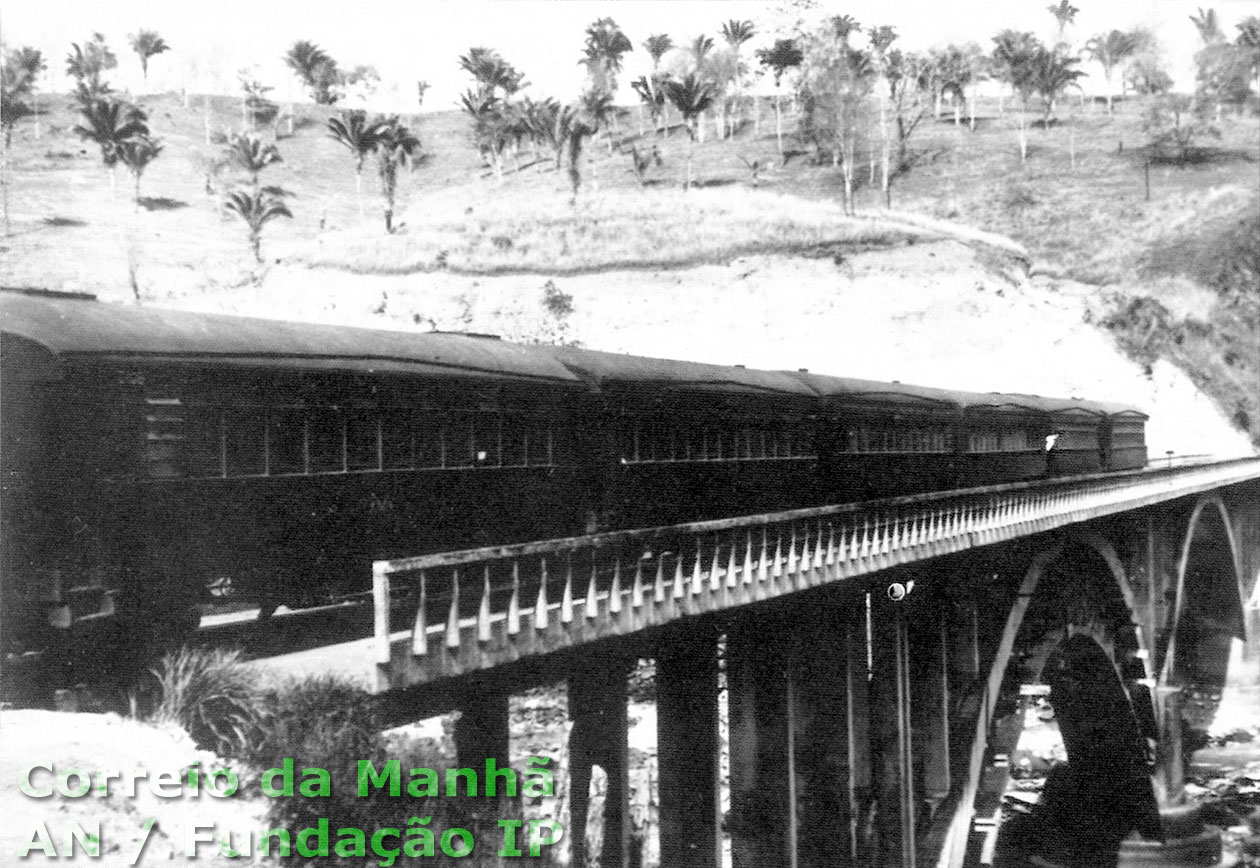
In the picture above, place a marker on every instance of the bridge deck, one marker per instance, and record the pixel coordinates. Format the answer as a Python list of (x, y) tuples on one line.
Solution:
[(500, 604)]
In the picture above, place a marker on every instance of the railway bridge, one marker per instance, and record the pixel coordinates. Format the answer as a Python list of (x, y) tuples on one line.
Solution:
[(877, 660)]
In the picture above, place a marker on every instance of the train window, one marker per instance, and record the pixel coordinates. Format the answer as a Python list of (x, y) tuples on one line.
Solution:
[(396, 442), (363, 436), (458, 441), (540, 447), (486, 440), (245, 442), (429, 442), (515, 440), (1004, 440), (204, 441), (164, 436), (1015, 440), (286, 443), (868, 438), (326, 445)]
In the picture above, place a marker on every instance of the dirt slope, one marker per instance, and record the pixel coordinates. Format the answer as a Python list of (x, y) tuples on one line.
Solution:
[(943, 314)]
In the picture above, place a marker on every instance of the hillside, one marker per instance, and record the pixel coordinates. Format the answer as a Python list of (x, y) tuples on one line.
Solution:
[(1103, 293)]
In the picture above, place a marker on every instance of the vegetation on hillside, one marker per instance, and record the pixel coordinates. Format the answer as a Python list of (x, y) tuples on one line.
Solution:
[(1097, 191)]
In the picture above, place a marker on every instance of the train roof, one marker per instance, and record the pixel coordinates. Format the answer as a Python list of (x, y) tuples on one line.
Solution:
[(1076, 406), (605, 370), (80, 329), (876, 392)]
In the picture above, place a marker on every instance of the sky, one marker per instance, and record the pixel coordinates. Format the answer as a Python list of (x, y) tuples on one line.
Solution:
[(414, 40)]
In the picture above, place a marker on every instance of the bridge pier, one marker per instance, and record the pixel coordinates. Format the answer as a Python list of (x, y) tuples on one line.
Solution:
[(597, 708), (688, 745), (481, 732), (892, 735), (831, 734), (762, 721)]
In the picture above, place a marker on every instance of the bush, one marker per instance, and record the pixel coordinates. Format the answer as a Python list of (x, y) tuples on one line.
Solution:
[(212, 696), (324, 723)]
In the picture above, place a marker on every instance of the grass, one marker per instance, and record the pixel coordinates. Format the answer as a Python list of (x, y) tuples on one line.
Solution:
[(212, 696), (619, 229)]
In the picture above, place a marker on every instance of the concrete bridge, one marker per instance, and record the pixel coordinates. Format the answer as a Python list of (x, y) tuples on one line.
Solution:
[(877, 659)]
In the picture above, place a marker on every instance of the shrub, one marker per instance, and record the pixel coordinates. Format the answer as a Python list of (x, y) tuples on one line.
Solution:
[(324, 723), (212, 696)]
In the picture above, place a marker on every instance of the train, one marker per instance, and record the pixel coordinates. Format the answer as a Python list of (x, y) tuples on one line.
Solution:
[(155, 460)]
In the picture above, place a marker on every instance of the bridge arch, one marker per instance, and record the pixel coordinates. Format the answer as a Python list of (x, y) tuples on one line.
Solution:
[(1209, 598), (1073, 623)]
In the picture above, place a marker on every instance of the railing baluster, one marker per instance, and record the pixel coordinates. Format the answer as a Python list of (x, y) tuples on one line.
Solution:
[(659, 595), (697, 584), (614, 593), (566, 599), (540, 607), (592, 600), (762, 567), (731, 581), (483, 611), (420, 629), (514, 604), (636, 594), (381, 604), (790, 568), (747, 576), (452, 616), (715, 577)]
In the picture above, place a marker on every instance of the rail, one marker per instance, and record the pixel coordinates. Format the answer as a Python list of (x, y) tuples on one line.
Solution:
[(501, 603)]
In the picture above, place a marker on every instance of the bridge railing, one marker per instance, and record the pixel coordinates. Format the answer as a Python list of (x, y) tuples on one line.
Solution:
[(484, 607)]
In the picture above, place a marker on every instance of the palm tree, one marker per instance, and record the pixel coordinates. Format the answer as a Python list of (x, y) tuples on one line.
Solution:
[(248, 152), (606, 44), (136, 154), (736, 33), (1064, 14), (652, 96), (257, 208), (581, 121), (844, 26), (1111, 50), (491, 127), (1016, 56), (147, 43), (87, 64), (360, 137), (316, 69), (1208, 25), (1050, 74), (692, 97), (396, 148), (656, 45), (492, 73), (111, 123), (783, 56)]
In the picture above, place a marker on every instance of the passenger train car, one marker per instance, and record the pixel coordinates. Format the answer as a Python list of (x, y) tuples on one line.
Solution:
[(151, 458)]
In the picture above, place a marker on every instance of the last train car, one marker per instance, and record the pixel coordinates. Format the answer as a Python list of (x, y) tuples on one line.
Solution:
[(152, 455)]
